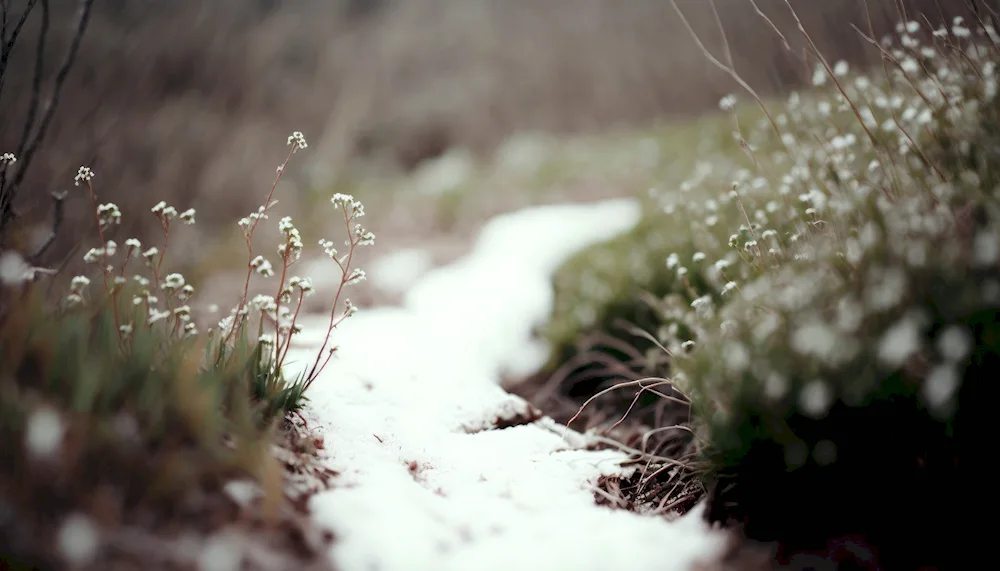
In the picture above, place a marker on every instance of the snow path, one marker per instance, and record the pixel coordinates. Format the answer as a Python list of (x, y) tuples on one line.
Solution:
[(406, 409)]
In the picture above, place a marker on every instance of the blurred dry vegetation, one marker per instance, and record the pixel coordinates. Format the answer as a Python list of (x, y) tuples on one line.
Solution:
[(190, 101)]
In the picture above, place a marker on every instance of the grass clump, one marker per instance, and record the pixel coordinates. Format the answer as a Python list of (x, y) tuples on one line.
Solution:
[(833, 337), (119, 417)]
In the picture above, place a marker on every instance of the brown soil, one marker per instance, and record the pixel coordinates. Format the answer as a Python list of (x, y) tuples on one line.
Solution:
[(285, 539)]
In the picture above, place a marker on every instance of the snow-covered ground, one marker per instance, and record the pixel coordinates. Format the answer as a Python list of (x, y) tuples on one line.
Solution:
[(406, 409)]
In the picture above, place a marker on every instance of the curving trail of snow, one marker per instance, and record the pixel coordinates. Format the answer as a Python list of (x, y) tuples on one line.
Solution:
[(406, 407)]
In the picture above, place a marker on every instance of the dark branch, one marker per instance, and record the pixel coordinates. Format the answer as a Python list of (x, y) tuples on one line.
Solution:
[(8, 195), (36, 83), (58, 214), (8, 43)]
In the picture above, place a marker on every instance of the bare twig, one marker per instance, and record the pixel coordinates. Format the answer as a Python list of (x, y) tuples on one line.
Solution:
[(58, 212), (8, 43), (729, 70), (36, 82), (31, 143)]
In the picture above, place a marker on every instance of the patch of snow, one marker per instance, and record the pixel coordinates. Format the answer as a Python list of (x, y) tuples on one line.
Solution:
[(243, 492), (44, 433), (522, 154), (404, 407), (221, 552), (78, 540), (446, 173), (13, 268), (394, 273)]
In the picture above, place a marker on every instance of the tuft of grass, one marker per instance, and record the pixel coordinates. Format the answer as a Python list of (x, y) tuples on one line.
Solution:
[(117, 412)]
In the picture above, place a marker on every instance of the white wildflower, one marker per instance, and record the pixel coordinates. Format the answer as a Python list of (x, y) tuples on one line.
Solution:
[(940, 385), (264, 303), (776, 386), (816, 398), (954, 343), (357, 275), (109, 214), (262, 266), (156, 315), (149, 254), (132, 245), (899, 342), (816, 339), (329, 248), (349, 308), (172, 282), (94, 256), (736, 357), (83, 175), (78, 283), (297, 140), (986, 248), (819, 76)]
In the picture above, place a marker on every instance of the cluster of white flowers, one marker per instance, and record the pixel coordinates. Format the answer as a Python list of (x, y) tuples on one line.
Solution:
[(297, 141), (76, 290), (248, 222), (262, 266), (83, 175), (351, 205), (290, 249), (172, 282), (166, 213), (296, 284), (108, 215), (164, 299), (858, 160)]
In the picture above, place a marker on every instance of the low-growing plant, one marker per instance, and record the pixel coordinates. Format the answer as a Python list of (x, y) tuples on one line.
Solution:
[(118, 411), (845, 384), (834, 348)]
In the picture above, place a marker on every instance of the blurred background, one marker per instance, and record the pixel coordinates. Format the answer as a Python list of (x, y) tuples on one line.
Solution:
[(190, 101)]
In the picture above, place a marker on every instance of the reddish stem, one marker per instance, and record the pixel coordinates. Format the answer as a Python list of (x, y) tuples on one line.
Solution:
[(249, 238), (104, 260), (314, 372)]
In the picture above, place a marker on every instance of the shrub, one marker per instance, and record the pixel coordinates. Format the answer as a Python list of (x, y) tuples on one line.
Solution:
[(117, 411), (846, 383), (835, 347)]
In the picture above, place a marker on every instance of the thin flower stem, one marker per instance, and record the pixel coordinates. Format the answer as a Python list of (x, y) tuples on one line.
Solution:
[(317, 368), (238, 323), (104, 259)]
